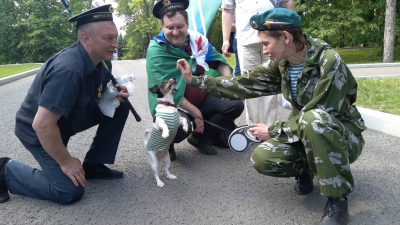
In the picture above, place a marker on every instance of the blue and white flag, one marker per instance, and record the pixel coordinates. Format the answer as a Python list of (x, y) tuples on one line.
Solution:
[(201, 14)]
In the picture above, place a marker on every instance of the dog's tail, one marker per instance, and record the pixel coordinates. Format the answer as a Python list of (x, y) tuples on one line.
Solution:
[(146, 136)]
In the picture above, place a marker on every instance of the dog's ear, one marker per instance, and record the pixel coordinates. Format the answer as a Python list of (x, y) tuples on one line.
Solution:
[(154, 89)]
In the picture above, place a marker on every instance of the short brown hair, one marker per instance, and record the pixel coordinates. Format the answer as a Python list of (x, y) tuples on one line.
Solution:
[(298, 37), (173, 12)]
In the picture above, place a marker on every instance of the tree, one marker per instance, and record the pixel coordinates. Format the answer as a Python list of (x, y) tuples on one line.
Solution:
[(121, 46), (338, 22), (389, 34), (344, 23), (141, 26), (35, 30), (9, 33), (214, 34)]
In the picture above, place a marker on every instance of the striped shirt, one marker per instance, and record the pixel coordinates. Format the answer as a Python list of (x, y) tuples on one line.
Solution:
[(294, 73), (156, 142)]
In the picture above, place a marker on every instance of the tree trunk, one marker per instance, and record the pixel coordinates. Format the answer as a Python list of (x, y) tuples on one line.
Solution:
[(389, 33)]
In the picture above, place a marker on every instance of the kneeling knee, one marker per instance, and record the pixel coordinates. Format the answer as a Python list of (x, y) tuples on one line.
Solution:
[(70, 196), (259, 160)]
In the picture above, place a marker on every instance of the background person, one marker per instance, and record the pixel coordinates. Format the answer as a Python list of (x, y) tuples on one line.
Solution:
[(249, 50), (323, 133), (175, 41), (236, 72), (61, 102)]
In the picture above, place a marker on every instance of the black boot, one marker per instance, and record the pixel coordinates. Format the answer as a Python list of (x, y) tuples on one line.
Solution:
[(172, 154), (336, 212), (304, 183), (3, 184)]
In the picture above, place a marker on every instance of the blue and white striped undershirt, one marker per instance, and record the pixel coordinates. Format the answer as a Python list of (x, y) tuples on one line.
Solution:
[(294, 73)]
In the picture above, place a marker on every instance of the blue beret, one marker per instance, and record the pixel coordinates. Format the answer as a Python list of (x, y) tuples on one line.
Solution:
[(101, 13), (275, 19), (163, 6)]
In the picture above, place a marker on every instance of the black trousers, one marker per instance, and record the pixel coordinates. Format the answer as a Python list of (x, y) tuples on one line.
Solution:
[(214, 110), (105, 144)]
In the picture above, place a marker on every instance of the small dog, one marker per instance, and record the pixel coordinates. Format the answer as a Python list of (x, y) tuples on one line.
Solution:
[(165, 125)]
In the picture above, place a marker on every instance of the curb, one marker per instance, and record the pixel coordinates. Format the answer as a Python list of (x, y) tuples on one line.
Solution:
[(9, 79), (372, 65), (379, 121)]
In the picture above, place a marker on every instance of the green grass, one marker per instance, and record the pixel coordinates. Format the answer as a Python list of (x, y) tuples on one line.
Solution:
[(360, 55), (9, 70), (381, 94)]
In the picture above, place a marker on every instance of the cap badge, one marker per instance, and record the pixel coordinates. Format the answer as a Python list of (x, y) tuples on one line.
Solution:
[(111, 9), (275, 23), (167, 2), (254, 24)]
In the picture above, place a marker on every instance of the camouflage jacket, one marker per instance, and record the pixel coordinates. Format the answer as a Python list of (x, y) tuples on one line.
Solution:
[(325, 83)]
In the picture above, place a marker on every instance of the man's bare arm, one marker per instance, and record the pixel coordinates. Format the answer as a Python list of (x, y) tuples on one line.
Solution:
[(227, 17), (48, 132)]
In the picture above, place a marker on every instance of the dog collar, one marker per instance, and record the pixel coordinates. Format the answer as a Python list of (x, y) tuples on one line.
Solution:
[(167, 104)]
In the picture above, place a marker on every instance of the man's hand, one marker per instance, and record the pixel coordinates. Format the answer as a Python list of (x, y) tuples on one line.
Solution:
[(74, 170), (199, 125), (224, 49), (260, 131), (122, 93), (184, 67), (227, 18), (186, 105)]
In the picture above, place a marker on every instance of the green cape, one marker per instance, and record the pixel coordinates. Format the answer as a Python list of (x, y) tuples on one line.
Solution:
[(161, 66)]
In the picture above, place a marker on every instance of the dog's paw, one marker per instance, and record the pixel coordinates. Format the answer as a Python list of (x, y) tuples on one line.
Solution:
[(160, 184), (185, 127), (165, 134), (171, 177)]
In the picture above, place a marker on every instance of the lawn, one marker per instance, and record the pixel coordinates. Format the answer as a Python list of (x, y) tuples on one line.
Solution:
[(361, 55), (379, 94), (15, 69)]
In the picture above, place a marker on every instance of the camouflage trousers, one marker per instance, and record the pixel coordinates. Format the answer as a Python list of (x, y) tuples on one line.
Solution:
[(325, 143)]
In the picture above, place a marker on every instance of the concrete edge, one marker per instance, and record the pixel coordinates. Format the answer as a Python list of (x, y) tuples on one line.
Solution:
[(378, 76), (379, 121), (372, 65), (9, 79)]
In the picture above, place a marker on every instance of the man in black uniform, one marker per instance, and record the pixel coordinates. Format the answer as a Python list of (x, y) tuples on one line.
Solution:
[(61, 102)]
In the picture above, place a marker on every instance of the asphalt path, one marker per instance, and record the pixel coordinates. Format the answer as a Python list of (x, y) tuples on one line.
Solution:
[(380, 70), (220, 189)]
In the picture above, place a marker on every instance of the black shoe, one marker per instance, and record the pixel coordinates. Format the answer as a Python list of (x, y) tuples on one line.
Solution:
[(3, 184), (336, 212), (202, 147), (172, 154), (100, 171), (304, 183)]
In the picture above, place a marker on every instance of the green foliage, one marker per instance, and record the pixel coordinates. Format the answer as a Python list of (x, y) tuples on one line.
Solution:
[(379, 94), (141, 26), (345, 23), (32, 30), (215, 32), (121, 46)]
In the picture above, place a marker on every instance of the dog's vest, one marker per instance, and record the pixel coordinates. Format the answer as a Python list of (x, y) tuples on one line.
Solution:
[(156, 142)]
